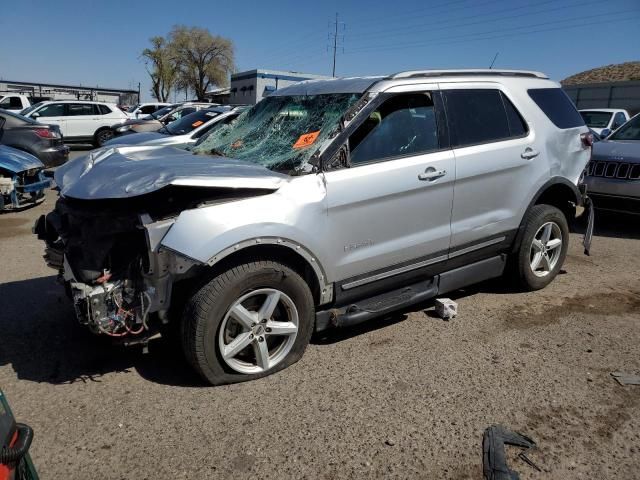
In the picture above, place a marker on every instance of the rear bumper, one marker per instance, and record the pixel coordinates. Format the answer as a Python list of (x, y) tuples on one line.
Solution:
[(54, 156)]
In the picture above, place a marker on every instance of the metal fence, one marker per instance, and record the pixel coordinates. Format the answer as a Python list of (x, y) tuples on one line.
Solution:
[(606, 95)]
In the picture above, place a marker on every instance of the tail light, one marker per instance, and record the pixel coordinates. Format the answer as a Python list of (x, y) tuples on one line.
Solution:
[(586, 139), (46, 133)]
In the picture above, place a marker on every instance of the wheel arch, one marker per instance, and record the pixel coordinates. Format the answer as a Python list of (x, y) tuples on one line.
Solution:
[(557, 192), (285, 251)]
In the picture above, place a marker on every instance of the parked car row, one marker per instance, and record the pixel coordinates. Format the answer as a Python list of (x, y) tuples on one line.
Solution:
[(185, 131)]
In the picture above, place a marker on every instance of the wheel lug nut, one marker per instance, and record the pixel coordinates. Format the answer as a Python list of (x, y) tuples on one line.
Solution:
[(253, 324), (264, 320), (268, 330), (251, 336), (261, 339)]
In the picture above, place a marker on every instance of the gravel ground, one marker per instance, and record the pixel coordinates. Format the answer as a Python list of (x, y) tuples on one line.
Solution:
[(405, 397)]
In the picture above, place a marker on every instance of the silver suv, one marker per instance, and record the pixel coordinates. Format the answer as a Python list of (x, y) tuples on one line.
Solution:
[(327, 204)]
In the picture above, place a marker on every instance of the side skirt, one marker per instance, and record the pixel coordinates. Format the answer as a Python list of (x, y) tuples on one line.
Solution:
[(387, 302)]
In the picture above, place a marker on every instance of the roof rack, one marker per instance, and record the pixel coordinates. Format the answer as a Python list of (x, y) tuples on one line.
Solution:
[(467, 72)]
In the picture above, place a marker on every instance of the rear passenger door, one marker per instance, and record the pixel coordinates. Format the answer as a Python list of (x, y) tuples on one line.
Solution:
[(81, 119), (498, 158)]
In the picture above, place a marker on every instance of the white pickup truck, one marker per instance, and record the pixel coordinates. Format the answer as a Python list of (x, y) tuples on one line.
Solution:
[(14, 101)]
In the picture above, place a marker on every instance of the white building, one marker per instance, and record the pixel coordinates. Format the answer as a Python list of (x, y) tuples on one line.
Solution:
[(253, 85)]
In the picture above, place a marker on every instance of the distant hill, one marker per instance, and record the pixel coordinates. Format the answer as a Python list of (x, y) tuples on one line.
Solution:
[(610, 73)]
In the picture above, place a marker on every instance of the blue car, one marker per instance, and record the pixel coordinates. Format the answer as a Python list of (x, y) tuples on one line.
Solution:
[(22, 180)]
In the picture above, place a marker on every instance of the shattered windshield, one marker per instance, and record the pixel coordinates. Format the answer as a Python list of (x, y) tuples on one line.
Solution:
[(280, 132)]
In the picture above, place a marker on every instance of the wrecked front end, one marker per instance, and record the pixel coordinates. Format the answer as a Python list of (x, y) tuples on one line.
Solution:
[(104, 236), (108, 256), (22, 180)]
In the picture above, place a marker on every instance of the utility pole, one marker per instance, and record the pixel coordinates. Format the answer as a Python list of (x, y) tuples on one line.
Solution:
[(335, 42), (335, 46)]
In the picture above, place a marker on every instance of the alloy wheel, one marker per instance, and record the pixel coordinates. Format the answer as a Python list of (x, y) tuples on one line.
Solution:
[(546, 249), (258, 331)]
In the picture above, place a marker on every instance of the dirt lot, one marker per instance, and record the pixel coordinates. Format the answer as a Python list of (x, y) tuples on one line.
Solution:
[(407, 397)]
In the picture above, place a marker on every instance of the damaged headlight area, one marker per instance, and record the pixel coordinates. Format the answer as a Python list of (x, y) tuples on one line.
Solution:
[(108, 256)]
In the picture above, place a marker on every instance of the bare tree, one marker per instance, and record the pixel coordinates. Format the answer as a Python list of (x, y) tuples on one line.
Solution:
[(161, 68), (202, 59)]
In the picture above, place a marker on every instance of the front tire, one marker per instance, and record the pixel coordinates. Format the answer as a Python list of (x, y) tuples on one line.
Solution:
[(250, 321), (543, 247)]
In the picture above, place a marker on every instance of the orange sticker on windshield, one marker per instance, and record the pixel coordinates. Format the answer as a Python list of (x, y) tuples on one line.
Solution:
[(197, 123), (306, 139)]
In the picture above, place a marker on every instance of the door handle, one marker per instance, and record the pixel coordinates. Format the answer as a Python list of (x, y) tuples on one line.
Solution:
[(431, 174), (529, 153)]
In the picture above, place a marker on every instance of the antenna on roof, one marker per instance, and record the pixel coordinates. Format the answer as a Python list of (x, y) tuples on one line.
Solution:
[(494, 60)]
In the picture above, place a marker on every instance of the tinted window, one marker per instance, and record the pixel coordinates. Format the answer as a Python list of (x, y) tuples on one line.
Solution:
[(596, 119), (103, 109), (476, 116), (402, 125), (76, 109), (147, 109), (557, 106), (209, 128), (52, 110), (184, 112), (12, 103), (190, 122), (629, 131), (619, 120), (517, 125)]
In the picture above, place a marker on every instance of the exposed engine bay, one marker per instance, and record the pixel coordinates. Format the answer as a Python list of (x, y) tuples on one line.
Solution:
[(108, 256)]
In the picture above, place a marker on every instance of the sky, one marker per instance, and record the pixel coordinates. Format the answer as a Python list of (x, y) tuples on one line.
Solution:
[(99, 43)]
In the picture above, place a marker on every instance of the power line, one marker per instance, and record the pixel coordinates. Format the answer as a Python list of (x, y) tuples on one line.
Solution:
[(442, 25), (439, 40)]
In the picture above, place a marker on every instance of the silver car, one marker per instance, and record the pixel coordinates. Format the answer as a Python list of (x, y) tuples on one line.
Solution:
[(186, 131), (329, 203)]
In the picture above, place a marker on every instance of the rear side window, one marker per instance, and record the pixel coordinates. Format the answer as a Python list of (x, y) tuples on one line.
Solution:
[(103, 109), (557, 106), (477, 116), (517, 125), (78, 109), (148, 109)]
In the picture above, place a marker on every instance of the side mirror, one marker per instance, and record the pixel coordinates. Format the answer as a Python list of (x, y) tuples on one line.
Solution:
[(170, 119), (35, 115), (605, 133)]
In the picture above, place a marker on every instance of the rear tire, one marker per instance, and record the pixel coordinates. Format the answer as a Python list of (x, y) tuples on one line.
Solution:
[(543, 247), (266, 308), (102, 136)]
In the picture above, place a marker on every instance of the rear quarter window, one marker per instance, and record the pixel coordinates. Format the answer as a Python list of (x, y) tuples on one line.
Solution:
[(557, 106)]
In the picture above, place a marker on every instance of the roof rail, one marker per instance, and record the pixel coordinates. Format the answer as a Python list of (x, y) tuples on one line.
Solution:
[(467, 72)]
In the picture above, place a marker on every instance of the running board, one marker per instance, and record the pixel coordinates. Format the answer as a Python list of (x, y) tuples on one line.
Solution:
[(385, 303)]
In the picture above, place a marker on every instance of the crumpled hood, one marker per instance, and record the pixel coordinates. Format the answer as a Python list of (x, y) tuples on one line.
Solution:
[(618, 150), (135, 139), (17, 161), (124, 172)]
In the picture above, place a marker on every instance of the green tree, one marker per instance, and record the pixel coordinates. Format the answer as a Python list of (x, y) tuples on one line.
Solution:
[(203, 60), (161, 68)]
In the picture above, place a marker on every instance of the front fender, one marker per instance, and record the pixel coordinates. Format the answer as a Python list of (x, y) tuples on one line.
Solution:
[(294, 216)]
